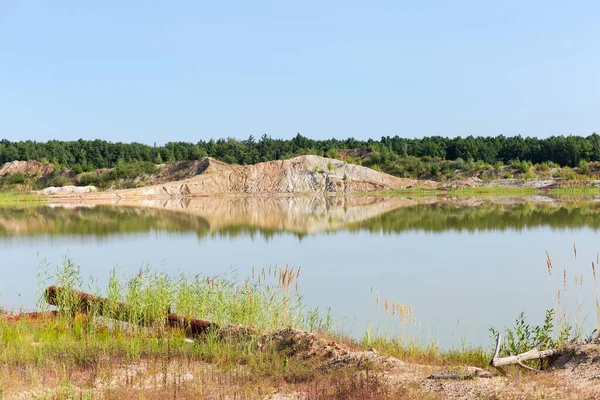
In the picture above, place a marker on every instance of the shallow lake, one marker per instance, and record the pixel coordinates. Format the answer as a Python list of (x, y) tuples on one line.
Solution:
[(462, 265)]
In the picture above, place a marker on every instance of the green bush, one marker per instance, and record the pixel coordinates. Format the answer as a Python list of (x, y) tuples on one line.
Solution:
[(569, 175), (57, 181), (459, 163), (584, 168), (88, 178), (543, 167), (332, 153), (524, 337), (13, 179), (521, 166)]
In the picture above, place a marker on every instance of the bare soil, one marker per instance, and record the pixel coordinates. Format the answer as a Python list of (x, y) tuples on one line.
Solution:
[(573, 375)]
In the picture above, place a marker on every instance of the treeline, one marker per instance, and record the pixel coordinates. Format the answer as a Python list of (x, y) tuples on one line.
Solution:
[(87, 155)]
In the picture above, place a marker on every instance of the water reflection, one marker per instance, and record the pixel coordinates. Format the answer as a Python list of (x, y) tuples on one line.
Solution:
[(450, 259), (237, 216)]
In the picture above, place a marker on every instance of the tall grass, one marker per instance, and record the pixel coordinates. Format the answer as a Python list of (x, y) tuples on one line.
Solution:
[(270, 299), (95, 356), (15, 198), (394, 330)]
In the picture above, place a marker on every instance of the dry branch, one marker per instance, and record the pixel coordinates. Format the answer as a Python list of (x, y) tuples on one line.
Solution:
[(533, 354)]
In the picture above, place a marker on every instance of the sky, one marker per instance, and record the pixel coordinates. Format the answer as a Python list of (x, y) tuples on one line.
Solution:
[(156, 71)]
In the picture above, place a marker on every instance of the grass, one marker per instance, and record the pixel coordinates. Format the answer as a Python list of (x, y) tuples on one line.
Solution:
[(16, 198), (94, 356), (494, 191), (98, 356), (576, 191)]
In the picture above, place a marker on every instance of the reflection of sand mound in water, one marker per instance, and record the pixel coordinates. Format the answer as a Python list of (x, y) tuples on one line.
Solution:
[(294, 214), (305, 174)]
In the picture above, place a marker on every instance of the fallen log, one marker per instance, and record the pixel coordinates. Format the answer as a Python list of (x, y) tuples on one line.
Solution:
[(86, 303), (32, 316), (533, 354)]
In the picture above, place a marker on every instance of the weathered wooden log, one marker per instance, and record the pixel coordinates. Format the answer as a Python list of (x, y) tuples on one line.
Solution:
[(33, 316), (85, 303), (533, 354)]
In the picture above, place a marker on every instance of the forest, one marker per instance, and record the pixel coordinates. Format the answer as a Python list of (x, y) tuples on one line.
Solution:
[(88, 155)]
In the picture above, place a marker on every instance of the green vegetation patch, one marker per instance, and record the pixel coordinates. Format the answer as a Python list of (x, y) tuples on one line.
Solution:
[(20, 199)]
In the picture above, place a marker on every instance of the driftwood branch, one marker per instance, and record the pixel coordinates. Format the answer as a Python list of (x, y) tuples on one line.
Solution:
[(533, 354), (86, 303)]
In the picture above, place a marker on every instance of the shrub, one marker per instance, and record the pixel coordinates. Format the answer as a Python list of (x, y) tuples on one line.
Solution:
[(88, 178), (521, 166), (569, 175), (13, 179), (78, 169), (528, 175), (584, 168), (57, 181), (332, 153), (523, 337), (543, 167), (459, 163)]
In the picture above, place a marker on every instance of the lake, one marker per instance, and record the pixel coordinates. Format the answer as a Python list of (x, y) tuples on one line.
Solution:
[(462, 265)]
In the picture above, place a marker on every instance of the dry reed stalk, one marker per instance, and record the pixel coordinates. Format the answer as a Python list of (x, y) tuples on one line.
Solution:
[(387, 306), (575, 251), (549, 263), (402, 311), (290, 278)]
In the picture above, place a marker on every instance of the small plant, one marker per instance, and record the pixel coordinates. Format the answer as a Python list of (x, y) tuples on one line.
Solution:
[(524, 337)]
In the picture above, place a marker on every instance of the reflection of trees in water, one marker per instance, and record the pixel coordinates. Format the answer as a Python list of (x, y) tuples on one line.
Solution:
[(111, 220), (98, 221), (487, 216)]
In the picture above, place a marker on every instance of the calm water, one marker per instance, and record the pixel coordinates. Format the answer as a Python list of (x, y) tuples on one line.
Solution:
[(463, 265)]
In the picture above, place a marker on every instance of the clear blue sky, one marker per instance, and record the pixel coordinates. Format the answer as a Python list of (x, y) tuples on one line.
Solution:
[(156, 71)]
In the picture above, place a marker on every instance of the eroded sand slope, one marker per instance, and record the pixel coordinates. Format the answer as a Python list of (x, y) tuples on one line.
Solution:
[(305, 174)]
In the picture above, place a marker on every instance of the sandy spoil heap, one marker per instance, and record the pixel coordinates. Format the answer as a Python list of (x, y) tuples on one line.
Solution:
[(304, 174)]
